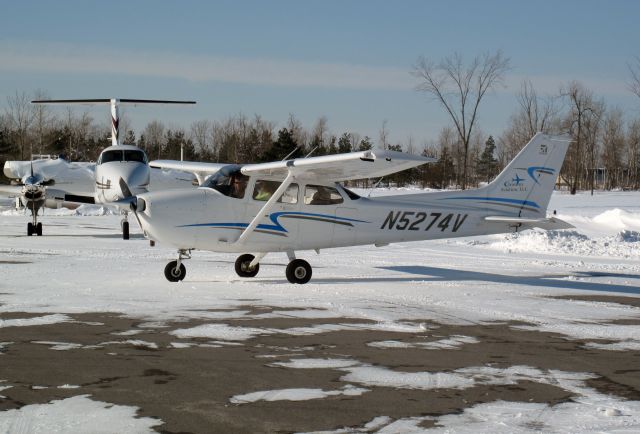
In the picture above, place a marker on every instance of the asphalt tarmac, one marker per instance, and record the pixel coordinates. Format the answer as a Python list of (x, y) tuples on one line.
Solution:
[(190, 388)]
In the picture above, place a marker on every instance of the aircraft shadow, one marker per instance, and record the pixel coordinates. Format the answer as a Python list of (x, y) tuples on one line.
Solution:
[(436, 274)]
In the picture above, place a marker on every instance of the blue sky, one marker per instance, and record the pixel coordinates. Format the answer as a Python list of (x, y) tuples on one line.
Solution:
[(346, 60)]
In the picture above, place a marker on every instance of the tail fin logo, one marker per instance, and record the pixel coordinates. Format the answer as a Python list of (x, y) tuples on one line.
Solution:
[(535, 172), (515, 184)]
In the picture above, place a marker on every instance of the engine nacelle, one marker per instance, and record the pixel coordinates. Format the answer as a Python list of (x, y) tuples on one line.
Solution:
[(54, 198)]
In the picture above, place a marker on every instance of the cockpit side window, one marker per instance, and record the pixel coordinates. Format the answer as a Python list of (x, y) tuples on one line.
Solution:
[(109, 156), (228, 181), (264, 189), (135, 155)]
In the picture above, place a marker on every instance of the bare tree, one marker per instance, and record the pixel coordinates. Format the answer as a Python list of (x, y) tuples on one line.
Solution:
[(460, 88), (534, 114), (320, 135), (19, 113), (592, 132), (633, 153), (200, 134), (41, 118), (83, 129), (299, 134), (634, 69), (581, 105), (384, 135), (613, 144), (154, 137)]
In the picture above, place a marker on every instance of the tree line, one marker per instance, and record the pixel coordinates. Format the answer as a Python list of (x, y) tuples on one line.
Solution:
[(604, 153)]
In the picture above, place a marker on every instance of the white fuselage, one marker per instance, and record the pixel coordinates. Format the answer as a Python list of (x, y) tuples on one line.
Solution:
[(205, 219), (122, 161)]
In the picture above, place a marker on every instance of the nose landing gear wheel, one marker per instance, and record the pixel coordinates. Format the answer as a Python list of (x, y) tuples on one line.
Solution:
[(39, 229), (30, 230), (173, 273), (242, 266), (298, 271)]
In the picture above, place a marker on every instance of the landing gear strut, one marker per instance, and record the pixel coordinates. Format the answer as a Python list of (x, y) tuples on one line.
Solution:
[(125, 227), (175, 271), (35, 227)]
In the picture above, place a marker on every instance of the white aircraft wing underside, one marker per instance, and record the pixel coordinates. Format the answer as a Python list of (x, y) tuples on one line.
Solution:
[(187, 166), (340, 167), (200, 170)]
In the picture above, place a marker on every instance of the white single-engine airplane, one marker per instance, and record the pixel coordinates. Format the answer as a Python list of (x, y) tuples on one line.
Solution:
[(116, 162), (298, 204)]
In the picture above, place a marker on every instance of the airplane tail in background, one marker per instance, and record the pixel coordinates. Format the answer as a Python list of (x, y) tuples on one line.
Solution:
[(527, 182)]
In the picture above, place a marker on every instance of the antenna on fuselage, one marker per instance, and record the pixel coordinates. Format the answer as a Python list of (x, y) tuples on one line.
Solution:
[(114, 102)]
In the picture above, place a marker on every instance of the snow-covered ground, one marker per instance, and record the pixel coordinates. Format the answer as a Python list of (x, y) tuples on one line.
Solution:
[(81, 265)]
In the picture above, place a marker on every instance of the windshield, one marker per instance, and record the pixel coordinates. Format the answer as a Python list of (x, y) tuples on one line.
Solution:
[(135, 155), (228, 181), (109, 156)]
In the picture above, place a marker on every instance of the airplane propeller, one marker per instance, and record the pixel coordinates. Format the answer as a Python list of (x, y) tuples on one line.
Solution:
[(129, 198)]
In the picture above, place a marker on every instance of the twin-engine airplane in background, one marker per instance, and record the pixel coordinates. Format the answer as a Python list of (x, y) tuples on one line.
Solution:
[(116, 162), (298, 204)]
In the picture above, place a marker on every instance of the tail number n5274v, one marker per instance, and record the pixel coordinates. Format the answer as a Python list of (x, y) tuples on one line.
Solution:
[(416, 221)]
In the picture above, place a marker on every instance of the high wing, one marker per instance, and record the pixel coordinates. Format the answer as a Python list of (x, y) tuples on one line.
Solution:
[(340, 167), (56, 169), (200, 170), (47, 168), (11, 190)]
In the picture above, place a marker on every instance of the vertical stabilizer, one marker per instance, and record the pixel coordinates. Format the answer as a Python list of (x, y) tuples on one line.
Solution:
[(526, 184), (115, 122)]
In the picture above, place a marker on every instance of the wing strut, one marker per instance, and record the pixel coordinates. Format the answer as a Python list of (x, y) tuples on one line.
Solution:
[(266, 208)]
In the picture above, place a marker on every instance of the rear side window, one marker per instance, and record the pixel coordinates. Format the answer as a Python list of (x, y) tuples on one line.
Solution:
[(321, 195)]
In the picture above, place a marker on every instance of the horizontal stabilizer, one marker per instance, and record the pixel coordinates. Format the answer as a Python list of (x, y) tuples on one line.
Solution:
[(108, 100), (551, 223)]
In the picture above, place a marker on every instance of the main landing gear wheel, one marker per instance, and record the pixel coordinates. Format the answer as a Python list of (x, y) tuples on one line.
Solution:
[(30, 229), (298, 271), (173, 272), (39, 229), (243, 266), (125, 230)]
